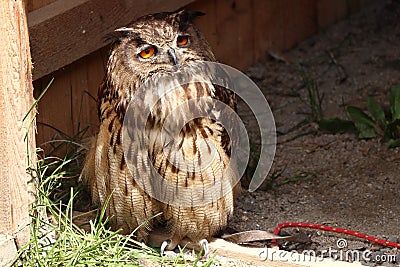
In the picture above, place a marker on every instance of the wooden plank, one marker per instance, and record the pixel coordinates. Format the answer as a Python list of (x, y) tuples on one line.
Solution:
[(330, 11), (53, 9), (95, 71), (279, 25), (228, 27), (253, 255), (36, 4), (235, 33), (71, 87), (263, 23), (67, 30), (15, 101), (85, 80), (54, 109), (272, 257)]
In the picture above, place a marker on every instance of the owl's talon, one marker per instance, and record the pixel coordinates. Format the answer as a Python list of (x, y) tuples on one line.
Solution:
[(204, 244), (164, 244)]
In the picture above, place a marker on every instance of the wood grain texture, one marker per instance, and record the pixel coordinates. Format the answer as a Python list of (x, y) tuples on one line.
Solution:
[(15, 101), (36, 4), (67, 30), (235, 33), (282, 24), (242, 32), (68, 105)]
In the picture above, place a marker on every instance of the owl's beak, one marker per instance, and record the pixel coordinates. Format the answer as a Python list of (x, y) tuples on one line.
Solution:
[(172, 56)]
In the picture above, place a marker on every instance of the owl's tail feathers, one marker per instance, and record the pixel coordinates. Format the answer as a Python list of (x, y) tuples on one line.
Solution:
[(87, 176)]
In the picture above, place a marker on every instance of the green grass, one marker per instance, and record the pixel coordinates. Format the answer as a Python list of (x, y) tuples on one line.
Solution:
[(57, 241), (314, 97)]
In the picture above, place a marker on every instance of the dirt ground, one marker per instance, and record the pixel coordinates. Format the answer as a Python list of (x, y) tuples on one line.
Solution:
[(339, 180)]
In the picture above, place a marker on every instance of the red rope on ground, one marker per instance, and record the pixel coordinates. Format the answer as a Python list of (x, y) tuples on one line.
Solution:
[(335, 230)]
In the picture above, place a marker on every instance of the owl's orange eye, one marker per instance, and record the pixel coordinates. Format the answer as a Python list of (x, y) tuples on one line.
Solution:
[(182, 40), (147, 52)]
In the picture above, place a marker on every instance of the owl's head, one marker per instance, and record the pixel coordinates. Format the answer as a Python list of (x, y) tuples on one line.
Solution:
[(158, 42)]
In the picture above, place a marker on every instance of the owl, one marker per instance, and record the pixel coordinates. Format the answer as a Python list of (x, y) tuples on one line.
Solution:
[(154, 44)]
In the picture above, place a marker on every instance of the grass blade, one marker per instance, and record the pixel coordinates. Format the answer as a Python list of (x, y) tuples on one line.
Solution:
[(395, 102), (38, 99)]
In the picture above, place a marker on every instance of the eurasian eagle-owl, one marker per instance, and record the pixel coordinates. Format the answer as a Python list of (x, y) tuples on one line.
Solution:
[(162, 42)]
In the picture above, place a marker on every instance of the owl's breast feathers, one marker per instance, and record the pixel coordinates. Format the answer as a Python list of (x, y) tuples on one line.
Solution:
[(183, 124), (186, 144), (180, 134)]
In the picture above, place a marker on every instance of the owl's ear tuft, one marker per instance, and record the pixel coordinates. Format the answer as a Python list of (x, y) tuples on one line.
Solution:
[(187, 17)]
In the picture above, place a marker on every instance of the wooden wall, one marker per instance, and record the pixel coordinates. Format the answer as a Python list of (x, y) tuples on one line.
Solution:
[(241, 32)]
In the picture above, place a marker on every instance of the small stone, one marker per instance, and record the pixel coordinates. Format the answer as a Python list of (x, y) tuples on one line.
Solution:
[(284, 129)]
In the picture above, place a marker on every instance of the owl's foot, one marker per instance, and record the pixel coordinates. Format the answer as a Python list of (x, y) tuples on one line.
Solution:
[(170, 245), (204, 244), (164, 244), (167, 245)]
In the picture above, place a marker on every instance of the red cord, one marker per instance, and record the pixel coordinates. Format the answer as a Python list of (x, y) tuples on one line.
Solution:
[(335, 230)]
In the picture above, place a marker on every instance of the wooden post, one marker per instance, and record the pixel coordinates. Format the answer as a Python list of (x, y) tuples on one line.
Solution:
[(15, 101)]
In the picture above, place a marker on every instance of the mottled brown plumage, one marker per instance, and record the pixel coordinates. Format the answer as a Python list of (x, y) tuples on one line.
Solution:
[(106, 170)]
